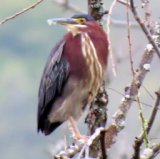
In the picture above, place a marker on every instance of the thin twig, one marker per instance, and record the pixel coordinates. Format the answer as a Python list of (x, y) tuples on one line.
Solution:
[(154, 112), (143, 27), (109, 39), (143, 122), (145, 104), (117, 22), (129, 40), (124, 2), (148, 92), (139, 140), (21, 12), (109, 16)]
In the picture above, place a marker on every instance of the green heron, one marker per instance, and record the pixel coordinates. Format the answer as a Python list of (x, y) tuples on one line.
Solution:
[(73, 73)]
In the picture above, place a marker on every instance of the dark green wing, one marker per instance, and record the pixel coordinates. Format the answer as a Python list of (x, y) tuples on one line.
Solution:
[(53, 79)]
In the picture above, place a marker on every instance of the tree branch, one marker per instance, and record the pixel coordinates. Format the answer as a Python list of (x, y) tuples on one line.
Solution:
[(109, 39), (71, 151), (79, 145), (132, 91), (147, 12), (150, 152), (96, 9), (139, 140), (97, 116), (129, 40), (143, 27), (21, 12)]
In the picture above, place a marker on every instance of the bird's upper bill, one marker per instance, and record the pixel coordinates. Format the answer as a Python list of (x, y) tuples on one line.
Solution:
[(68, 22), (73, 24)]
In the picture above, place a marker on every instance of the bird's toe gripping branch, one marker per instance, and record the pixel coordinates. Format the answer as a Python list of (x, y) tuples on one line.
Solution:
[(75, 131)]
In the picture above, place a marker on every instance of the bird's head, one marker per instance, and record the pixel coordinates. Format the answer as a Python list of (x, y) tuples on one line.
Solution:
[(76, 23)]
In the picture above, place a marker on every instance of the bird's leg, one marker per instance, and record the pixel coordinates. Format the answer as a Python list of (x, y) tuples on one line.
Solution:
[(74, 130), (65, 142)]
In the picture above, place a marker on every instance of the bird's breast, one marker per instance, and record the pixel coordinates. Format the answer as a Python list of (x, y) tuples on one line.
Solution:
[(94, 67)]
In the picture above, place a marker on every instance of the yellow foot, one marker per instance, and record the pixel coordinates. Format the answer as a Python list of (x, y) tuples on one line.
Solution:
[(75, 132)]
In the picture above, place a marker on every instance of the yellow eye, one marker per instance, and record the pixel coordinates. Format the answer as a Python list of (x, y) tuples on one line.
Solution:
[(82, 20)]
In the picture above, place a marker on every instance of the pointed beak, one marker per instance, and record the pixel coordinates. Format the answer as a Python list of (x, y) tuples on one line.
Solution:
[(62, 21)]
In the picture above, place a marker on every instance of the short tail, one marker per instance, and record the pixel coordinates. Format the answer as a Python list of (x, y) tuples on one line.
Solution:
[(47, 127)]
